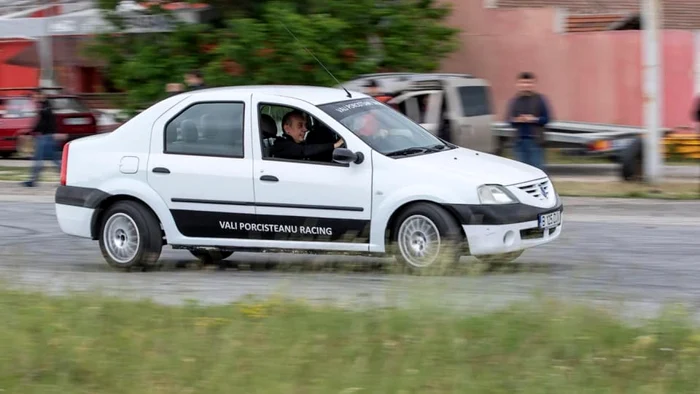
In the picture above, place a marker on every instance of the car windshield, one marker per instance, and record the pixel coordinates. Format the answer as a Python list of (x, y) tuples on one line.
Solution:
[(383, 128)]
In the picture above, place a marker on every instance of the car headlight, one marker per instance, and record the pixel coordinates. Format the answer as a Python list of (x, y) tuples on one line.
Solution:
[(495, 194)]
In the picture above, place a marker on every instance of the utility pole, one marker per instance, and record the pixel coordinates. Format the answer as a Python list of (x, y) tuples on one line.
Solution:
[(653, 162)]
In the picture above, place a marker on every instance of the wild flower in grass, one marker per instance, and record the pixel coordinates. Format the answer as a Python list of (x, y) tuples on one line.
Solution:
[(644, 341), (203, 324), (256, 311)]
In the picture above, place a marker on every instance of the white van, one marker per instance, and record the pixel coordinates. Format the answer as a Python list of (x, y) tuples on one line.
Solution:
[(459, 103)]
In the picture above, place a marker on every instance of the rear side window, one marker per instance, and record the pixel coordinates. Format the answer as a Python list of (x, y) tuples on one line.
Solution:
[(207, 129), (67, 105), (475, 100)]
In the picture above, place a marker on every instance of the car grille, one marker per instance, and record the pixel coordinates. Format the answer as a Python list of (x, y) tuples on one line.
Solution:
[(539, 190)]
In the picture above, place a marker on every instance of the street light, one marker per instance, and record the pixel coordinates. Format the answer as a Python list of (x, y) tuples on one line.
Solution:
[(653, 163)]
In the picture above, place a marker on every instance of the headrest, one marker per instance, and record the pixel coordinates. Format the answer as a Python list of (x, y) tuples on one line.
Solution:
[(189, 131), (210, 126), (268, 126)]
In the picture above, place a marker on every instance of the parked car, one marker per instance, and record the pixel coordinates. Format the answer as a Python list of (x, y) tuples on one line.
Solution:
[(74, 119), (198, 171), (455, 107)]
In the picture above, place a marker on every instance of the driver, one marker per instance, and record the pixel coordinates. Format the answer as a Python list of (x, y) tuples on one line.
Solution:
[(292, 144)]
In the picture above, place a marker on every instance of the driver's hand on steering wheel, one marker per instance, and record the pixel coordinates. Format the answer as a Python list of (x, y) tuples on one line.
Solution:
[(339, 143)]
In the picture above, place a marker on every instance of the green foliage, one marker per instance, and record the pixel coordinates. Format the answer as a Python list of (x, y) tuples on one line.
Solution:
[(255, 47)]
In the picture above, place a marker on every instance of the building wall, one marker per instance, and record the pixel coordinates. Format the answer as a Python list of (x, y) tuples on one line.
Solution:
[(588, 77), (12, 76)]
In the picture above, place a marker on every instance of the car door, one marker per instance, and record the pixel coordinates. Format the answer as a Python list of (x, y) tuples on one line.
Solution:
[(311, 205), (200, 164), (469, 105), (429, 119)]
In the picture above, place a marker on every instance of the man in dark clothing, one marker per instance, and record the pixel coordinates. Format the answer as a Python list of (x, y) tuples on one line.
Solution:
[(291, 145), (45, 138), (528, 113)]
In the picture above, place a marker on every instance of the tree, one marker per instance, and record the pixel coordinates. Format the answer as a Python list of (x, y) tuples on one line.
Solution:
[(274, 42)]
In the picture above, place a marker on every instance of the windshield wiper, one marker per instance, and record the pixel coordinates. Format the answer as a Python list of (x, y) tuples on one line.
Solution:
[(436, 147), (407, 151), (417, 149)]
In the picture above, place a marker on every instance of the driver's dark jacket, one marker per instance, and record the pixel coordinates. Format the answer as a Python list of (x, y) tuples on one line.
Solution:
[(285, 148)]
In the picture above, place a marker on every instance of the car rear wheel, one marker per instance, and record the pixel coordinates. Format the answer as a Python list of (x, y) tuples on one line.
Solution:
[(427, 239), (130, 237)]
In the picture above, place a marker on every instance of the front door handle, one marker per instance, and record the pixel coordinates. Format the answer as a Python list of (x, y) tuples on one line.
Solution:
[(161, 170), (269, 178)]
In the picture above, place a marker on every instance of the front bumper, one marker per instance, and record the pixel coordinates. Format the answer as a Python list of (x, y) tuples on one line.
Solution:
[(497, 229), (484, 240)]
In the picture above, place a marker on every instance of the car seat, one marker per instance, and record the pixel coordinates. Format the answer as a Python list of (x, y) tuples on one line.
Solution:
[(269, 133)]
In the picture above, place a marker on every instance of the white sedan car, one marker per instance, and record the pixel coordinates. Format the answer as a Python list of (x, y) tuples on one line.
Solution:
[(290, 168)]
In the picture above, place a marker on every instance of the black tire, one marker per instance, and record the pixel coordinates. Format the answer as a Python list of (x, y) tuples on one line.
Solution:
[(631, 161), (149, 237), (435, 219), (208, 257)]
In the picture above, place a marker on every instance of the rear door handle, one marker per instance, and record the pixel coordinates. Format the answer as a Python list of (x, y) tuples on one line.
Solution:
[(269, 178), (161, 170)]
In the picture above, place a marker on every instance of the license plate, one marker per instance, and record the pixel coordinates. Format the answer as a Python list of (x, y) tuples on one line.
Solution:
[(76, 121), (549, 220)]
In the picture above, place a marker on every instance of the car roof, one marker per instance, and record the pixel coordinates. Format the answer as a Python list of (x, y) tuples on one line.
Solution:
[(316, 95), (413, 76)]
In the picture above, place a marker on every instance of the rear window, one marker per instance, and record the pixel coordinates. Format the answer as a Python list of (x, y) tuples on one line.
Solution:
[(475, 100)]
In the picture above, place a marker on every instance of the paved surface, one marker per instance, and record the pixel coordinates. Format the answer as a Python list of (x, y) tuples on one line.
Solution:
[(642, 252)]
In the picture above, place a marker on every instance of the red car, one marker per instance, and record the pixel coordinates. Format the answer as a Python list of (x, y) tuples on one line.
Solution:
[(18, 115)]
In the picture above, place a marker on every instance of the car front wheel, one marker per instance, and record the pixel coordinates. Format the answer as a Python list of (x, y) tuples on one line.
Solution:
[(427, 239), (130, 236)]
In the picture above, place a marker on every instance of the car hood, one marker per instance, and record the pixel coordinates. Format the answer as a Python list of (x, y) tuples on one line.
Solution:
[(475, 166)]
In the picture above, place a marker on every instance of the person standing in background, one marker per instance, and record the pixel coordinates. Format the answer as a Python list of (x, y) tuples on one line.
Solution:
[(193, 81), (44, 131), (528, 114)]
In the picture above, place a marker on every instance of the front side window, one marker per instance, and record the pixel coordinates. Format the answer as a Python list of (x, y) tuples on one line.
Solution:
[(207, 129), (384, 129)]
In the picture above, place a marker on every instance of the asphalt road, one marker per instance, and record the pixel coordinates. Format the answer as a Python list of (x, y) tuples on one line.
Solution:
[(642, 253)]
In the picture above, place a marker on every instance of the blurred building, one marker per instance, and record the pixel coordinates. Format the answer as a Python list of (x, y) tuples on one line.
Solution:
[(587, 54), (35, 50)]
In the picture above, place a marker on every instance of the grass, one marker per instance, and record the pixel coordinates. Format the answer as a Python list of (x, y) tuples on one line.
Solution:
[(48, 174), (666, 190), (87, 344)]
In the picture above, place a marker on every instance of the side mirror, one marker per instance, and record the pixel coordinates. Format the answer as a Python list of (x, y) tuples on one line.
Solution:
[(346, 156)]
